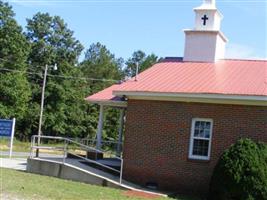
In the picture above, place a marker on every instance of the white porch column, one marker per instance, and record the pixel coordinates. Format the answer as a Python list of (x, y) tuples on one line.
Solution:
[(122, 112), (100, 127)]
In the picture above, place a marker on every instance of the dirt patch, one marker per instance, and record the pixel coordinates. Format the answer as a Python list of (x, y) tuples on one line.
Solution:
[(145, 195)]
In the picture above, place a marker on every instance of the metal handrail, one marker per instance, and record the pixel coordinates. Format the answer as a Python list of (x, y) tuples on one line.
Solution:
[(68, 141), (103, 141), (92, 142)]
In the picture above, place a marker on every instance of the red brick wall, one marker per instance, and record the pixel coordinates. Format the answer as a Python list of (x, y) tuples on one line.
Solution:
[(157, 138)]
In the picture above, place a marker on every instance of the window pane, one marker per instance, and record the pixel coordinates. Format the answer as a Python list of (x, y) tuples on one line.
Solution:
[(201, 133), (207, 133), (202, 125), (202, 129), (197, 125), (200, 147), (196, 133), (207, 125)]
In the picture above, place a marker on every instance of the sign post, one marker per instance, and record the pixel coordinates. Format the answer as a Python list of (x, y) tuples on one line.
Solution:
[(7, 129)]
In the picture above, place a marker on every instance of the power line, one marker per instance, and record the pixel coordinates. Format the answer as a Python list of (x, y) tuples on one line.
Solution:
[(18, 71), (59, 76), (83, 78)]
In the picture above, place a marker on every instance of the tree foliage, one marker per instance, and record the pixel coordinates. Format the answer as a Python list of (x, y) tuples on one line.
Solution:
[(100, 63), (14, 48), (144, 61), (53, 43), (47, 41), (241, 173)]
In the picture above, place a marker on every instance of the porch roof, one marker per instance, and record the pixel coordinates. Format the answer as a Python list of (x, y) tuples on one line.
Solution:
[(106, 97)]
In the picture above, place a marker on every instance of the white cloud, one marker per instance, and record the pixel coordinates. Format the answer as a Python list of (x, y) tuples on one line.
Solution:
[(240, 51)]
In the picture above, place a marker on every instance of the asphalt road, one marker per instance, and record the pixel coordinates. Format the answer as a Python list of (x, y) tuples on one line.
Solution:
[(14, 163), (16, 154), (27, 154), (19, 159)]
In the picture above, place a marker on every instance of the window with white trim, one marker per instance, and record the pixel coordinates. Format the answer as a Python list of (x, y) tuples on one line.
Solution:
[(200, 141)]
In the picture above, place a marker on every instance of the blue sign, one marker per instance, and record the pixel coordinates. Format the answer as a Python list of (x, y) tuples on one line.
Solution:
[(6, 127)]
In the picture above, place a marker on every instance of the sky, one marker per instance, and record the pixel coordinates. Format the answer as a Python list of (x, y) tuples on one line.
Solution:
[(153, 26)]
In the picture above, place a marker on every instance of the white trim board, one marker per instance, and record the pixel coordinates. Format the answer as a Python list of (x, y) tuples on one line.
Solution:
[(122, 104), (197, 98)]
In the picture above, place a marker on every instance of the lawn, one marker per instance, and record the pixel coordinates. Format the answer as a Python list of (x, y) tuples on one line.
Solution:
[(22, 185), (17, 145)]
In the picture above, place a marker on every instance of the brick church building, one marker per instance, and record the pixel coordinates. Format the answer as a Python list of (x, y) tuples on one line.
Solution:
[(182, 113)]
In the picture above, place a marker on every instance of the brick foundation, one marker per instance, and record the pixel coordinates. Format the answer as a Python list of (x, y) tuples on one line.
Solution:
[(157, 138)]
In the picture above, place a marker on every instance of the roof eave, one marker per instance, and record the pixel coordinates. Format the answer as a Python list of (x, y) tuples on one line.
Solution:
[(105, 102), (196, 97)]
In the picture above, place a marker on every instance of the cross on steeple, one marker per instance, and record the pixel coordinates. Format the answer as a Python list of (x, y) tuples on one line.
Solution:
[(205, 18)]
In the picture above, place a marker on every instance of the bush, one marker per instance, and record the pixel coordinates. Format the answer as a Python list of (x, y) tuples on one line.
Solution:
[(241, 173)]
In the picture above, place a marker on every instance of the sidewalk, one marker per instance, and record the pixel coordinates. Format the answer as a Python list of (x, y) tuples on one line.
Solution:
[(14, 163), (15, 153), (17, 162)]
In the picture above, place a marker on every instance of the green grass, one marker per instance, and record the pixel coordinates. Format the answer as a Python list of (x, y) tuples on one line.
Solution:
[(22, 185), (17, 145)]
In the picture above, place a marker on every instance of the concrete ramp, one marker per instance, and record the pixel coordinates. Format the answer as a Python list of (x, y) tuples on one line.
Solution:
[(72, 169), (72, 165)]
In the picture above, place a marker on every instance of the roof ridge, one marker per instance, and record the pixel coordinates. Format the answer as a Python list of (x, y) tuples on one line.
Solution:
[(180, 59), (240, 59)]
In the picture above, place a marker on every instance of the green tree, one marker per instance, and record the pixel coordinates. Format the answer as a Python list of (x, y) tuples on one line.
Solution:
[(100, 63), (14, 87), (144, 61), (65, 109)]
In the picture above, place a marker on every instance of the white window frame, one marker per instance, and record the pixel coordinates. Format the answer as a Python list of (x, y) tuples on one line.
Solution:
[(194, 120)]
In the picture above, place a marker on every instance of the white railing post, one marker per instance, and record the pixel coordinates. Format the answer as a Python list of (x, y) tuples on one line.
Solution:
[(100, 127), (119, 144), (65, 151), (33, 144), (31, 153), (121, 171)]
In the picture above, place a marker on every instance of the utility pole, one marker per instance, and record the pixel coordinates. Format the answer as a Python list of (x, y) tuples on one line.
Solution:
[(42, 107), (41, 111)]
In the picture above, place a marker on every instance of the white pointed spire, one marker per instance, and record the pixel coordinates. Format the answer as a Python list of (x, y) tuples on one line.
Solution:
[(209, 2)]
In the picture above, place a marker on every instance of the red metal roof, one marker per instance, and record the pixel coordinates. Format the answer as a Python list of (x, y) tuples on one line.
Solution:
[(227, 77), (105, 95)]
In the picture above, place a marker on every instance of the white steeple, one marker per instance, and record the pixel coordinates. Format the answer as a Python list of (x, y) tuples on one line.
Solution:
[(210, 3), (205, 43)]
